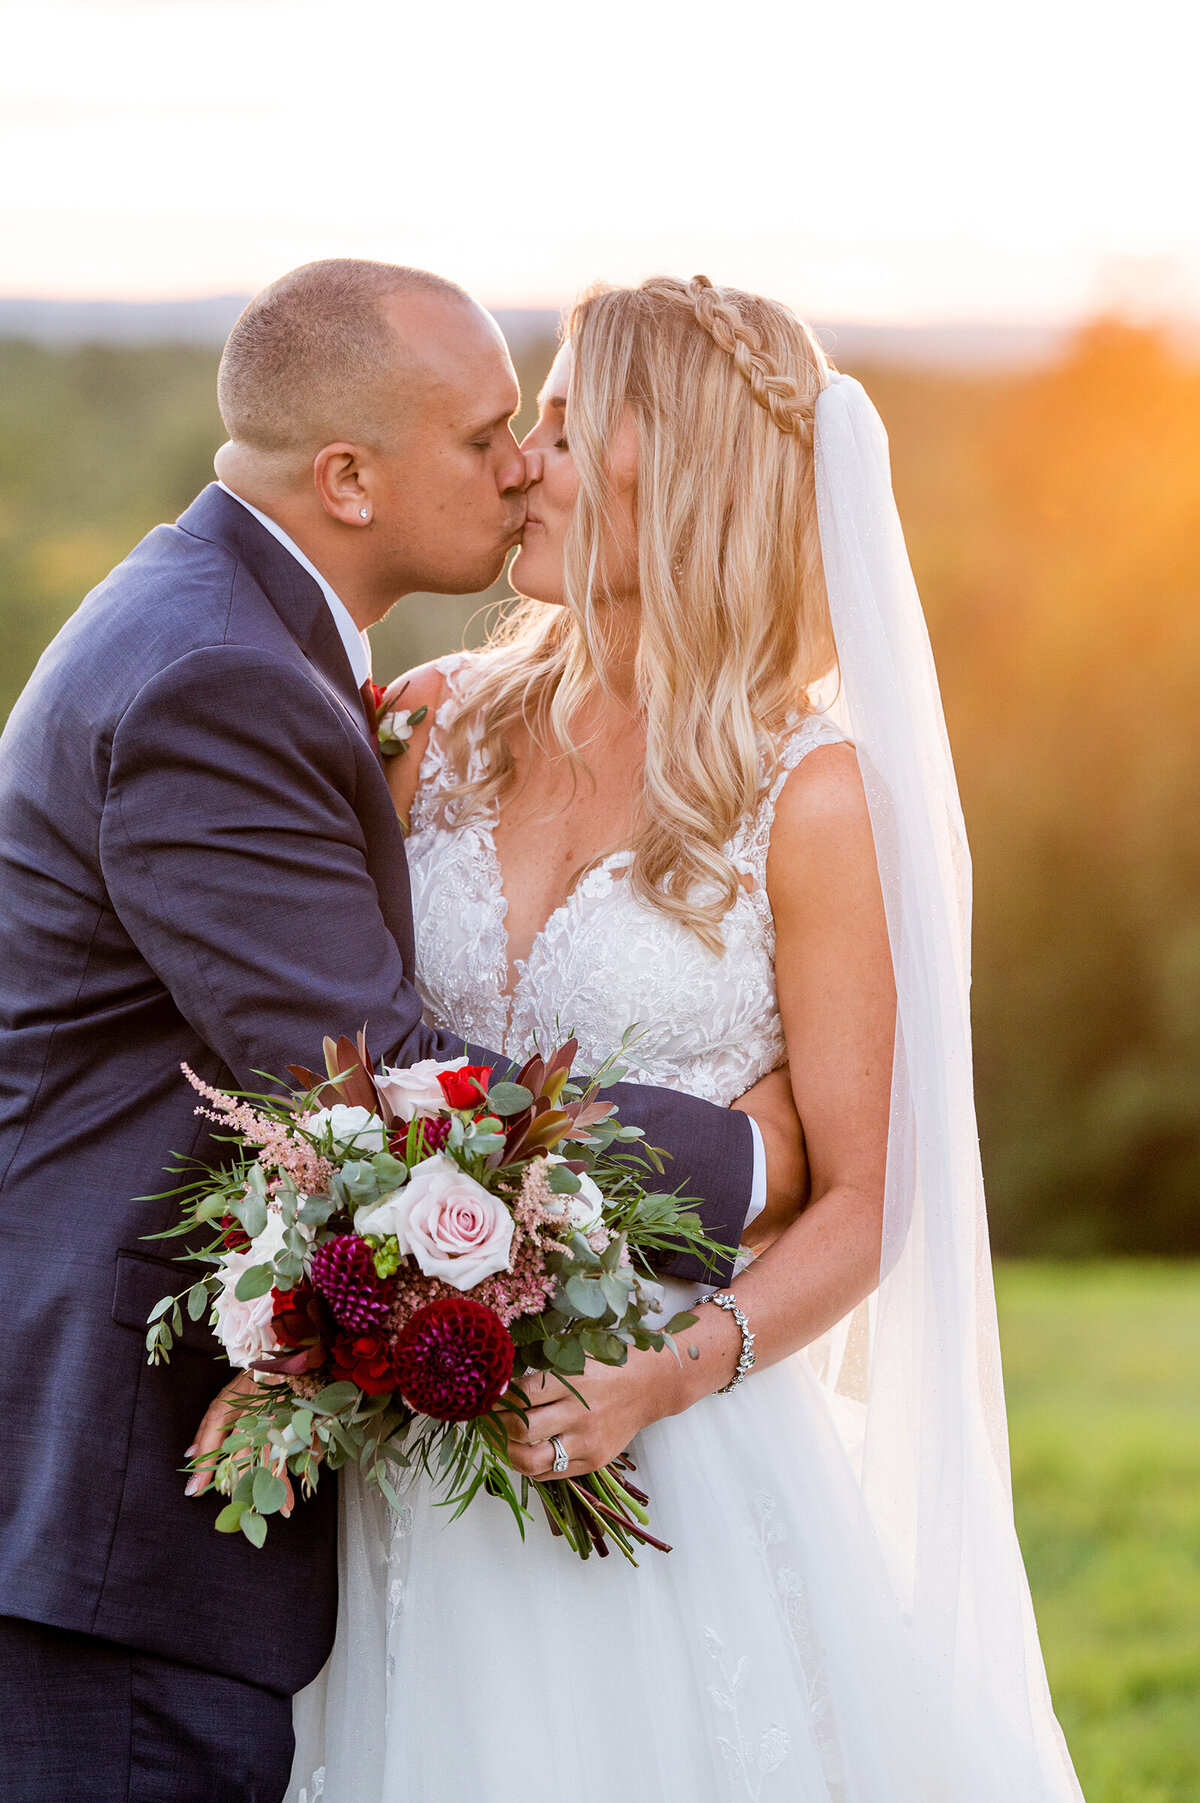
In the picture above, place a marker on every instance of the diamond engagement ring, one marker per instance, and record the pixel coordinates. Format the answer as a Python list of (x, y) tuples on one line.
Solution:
[(561, 1461)]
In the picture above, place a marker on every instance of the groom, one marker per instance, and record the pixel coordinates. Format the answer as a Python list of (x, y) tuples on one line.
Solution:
[(199, 861)]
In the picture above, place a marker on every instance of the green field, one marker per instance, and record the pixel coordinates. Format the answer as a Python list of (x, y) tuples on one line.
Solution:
[(1102, 1370)]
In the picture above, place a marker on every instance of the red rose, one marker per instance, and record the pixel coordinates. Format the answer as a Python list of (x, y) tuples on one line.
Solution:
[(234, 1234), (467, 1086), (366, 1359), (304, 1325)]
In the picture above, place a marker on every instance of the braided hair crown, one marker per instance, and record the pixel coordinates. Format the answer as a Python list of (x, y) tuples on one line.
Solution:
[(779, 394)]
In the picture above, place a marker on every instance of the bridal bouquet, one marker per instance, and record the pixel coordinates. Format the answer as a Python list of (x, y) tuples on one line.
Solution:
[(395, 1252)]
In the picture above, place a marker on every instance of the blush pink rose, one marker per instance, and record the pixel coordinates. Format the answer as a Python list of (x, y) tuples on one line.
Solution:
[(455, 1229), (244, 1328)]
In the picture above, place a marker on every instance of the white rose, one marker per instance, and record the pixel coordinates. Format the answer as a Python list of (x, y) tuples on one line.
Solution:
[(243, 1328), (353, 1129), (451, 1225), (415, 1089), (584, 1207)]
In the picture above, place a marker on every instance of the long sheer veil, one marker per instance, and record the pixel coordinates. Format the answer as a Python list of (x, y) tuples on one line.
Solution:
[(935, 1470)]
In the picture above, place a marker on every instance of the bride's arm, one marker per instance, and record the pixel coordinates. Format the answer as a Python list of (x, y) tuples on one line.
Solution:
[(837, 1002), (424, 687)]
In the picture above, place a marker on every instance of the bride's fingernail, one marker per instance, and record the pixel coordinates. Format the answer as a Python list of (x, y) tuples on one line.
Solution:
[(192, 1485), (191, 1451)]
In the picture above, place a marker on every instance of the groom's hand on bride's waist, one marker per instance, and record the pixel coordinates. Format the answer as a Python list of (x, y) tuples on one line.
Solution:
[(771, 1105)]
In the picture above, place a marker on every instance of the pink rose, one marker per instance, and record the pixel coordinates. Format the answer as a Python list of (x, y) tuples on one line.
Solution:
[(414, 1089), (454, 1228)]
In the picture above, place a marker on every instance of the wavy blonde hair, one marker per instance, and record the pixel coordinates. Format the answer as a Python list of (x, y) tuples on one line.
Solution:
[(734, 618)]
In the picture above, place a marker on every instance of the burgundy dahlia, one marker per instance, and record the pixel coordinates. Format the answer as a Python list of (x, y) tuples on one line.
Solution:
[(453, 1359), (343, 1269)]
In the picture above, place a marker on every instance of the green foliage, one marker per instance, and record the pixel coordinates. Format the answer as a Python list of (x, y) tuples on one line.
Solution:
[(1054, 525), (1102, 1373)]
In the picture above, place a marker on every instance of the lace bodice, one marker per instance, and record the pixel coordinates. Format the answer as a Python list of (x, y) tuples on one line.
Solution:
[(604, 961)]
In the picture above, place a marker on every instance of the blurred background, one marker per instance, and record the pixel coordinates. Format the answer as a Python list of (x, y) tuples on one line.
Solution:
[(990, 215)]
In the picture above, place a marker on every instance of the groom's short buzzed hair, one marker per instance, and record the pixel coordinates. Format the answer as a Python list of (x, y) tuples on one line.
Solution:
[(314, 358)]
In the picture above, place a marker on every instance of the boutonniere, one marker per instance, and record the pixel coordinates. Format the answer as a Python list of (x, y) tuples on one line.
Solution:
[(393, 726)]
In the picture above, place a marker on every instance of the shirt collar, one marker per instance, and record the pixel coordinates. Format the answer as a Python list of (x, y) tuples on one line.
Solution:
[(357, 644)]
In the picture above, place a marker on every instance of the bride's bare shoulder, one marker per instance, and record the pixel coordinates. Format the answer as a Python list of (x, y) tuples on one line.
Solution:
[(425, 687), (821, 841)]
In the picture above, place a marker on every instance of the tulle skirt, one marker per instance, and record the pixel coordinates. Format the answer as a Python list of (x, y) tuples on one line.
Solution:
[(764, 1658)]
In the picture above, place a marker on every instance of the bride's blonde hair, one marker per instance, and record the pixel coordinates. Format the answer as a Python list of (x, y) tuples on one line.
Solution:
[(734, 619)]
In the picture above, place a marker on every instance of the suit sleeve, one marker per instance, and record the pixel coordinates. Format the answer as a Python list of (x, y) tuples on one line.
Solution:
[(235, 859)]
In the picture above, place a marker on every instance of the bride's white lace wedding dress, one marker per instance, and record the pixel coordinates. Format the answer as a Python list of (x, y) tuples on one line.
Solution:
[(764, 1658)]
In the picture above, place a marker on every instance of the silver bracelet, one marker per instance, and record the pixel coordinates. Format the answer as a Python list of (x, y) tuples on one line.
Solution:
[(728, 1301)]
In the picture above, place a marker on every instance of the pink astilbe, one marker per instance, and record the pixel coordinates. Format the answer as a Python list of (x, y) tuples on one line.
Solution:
[(281, 1150)]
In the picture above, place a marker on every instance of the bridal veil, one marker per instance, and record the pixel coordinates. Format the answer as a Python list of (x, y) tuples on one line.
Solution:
[(934, 1468)]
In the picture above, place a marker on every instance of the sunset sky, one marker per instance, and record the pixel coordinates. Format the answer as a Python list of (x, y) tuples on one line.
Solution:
[(937, 160)]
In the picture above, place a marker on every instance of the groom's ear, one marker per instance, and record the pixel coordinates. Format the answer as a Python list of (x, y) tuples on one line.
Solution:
[(343, 484)]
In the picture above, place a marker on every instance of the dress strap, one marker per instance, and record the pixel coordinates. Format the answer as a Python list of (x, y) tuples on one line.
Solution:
[(753, 840), (434, 776)]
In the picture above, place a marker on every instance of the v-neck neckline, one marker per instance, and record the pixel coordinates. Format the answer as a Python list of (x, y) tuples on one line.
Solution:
[(518, 968)]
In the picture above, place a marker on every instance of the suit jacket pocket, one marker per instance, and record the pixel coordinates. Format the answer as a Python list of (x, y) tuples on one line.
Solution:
[(143, 1280)]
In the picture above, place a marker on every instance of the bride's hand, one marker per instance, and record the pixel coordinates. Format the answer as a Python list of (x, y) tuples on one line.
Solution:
[(619, 1400), (220, 1419)]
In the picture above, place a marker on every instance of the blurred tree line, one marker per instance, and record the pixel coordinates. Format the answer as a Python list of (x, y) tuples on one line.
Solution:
[(1054, 525)]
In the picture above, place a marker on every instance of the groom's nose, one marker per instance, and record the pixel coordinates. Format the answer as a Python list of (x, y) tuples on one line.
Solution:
[(512, 476)]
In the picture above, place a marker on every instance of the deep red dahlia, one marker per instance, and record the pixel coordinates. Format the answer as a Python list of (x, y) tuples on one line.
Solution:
[(343, 1269), (453, 1359), (367, 1360), (466, 1087)]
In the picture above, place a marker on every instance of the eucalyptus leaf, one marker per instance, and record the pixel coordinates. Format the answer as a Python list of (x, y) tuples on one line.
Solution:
[(251, 1211), (563, 1182), (254, 1282), (390, 1172), (316, 1210), (270, 1492), (254, 1527), (508, 1098), (197, 1301), (679, 1323), (230, 1518), (617, 1289), (243, 1490), (160, 1308), (211, 1208), (586, 1298), (566, 1356), (302, 1423), (333, 1398)]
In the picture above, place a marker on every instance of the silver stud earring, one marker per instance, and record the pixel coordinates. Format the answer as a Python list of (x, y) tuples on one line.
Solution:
[(362, 513)]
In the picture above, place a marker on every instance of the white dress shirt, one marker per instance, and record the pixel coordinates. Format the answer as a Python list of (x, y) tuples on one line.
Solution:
[(357, 644), (358, 650)]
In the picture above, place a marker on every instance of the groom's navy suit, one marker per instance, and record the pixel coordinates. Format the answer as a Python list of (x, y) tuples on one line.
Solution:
[(199, 861)]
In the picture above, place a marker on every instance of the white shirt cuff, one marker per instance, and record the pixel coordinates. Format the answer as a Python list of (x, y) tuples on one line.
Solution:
[(758, 1185)]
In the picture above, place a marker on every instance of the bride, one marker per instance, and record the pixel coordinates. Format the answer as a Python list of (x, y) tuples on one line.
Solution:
[(700, 784)]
